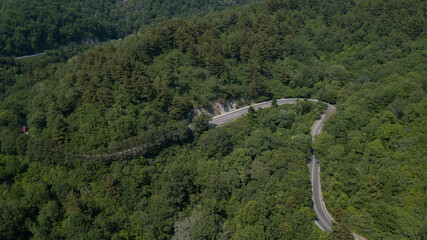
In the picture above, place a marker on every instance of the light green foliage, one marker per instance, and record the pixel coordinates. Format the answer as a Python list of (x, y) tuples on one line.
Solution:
[(302, 142), (249, 214), (205, 228), (250, 233)]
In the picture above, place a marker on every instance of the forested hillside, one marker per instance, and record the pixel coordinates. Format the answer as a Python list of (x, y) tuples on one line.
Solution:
[(28, 26), (245, 181), (373, 153)]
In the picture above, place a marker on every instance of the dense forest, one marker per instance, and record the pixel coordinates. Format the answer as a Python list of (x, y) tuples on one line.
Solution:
[(247, 180), (373, 154), (28, 26)]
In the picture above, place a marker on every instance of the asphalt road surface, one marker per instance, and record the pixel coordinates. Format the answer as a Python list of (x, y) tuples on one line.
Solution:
[(323, 219), (232, 115)]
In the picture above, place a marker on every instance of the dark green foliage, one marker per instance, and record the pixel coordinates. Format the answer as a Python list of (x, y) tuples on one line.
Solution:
[(9, 167), (201, 122), (251, 111), (201, 192), (47, 219), (217, 143), (147, 142), (109, 157), (33, 26), (274, 102), (387, 149), (76, 226), (12, 224), (60, 129), (257, 88)]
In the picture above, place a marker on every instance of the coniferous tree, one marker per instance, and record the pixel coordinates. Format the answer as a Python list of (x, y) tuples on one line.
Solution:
[(60, 129)]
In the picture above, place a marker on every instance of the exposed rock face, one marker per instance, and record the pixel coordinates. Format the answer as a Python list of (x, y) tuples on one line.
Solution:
[(217, 108)]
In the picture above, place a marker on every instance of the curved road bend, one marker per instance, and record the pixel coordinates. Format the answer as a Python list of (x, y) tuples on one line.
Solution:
[(323, 220), (232, 115)]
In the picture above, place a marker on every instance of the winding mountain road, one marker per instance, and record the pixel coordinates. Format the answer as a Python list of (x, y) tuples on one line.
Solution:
[(30, 56), (323, 219), (235, 114)]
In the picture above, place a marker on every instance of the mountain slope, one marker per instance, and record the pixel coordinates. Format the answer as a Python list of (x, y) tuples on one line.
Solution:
[(368, 57)]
